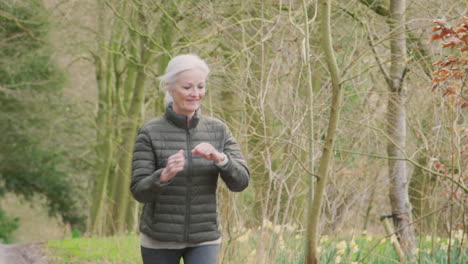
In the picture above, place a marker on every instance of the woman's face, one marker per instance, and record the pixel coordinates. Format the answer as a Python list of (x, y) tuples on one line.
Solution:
[(188, 91)]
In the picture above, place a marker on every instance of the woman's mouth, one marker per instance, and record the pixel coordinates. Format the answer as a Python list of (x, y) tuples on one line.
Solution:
[(194, 101)]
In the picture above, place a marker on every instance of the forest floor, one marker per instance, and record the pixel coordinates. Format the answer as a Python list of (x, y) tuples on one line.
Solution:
[(22, 254)]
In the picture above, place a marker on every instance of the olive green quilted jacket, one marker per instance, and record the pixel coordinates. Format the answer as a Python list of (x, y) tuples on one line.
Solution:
[(183, 209)]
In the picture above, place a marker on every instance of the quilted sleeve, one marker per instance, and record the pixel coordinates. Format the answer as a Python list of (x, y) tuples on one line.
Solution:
[(145, 183), (235, 173)]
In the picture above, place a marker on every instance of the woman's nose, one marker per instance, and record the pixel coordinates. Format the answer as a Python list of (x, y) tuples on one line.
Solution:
[(194, 91)]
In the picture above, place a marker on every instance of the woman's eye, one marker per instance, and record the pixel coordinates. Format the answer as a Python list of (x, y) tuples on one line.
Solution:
[(186, 87), (201, 87)]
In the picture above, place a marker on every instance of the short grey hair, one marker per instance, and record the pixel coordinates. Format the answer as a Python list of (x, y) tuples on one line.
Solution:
[(177, 65)]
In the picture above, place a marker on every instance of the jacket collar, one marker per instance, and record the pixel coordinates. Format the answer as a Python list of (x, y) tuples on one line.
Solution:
[(181, 120)]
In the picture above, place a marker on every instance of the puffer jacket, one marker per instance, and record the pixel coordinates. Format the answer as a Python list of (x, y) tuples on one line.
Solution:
[(183, 209)]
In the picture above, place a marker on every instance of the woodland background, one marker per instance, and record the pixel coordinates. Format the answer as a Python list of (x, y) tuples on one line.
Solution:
[(77, 79)]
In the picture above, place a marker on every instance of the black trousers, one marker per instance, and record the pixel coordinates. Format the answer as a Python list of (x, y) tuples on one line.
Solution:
[(206, 254)]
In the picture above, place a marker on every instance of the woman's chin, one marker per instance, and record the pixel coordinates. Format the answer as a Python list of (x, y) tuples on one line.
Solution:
[(193, 108)]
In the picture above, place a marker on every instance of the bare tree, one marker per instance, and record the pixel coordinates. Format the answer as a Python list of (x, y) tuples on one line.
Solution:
[(396, 118), (314, 210), (122, 60)]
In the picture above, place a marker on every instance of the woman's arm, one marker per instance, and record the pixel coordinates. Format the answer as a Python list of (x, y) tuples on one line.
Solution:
[(235, 172), (145, 183)]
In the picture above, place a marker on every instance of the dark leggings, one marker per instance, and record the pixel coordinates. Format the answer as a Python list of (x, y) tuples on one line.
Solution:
[(207, 254)]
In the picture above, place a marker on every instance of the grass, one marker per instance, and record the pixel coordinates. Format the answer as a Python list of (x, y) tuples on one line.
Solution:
[(373, 250), (125, 249), (117, 249)]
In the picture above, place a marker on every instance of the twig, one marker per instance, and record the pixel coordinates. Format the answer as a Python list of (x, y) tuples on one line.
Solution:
[(405, 157), (304, 167), (417, 220)]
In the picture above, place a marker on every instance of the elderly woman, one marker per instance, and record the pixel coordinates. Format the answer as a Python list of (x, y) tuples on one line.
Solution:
[(176, 163)]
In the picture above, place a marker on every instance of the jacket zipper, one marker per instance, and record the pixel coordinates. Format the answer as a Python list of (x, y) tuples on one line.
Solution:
[(189, 187)]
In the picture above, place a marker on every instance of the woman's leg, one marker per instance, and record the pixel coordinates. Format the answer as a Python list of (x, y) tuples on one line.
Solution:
[(161, 256), (207, 254)]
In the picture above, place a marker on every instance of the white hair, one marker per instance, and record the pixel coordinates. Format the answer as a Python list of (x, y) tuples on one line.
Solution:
[(177, 65)]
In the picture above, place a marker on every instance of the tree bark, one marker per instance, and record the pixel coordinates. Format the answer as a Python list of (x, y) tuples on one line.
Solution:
[(123, 210), (397, 171), (121, 86), (104, 147), (396, 121), (326, 159)]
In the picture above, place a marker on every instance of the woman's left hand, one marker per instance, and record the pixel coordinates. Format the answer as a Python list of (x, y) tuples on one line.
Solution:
[(207, 151)]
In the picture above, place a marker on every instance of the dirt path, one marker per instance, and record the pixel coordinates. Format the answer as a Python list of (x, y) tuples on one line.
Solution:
[(21, 254)]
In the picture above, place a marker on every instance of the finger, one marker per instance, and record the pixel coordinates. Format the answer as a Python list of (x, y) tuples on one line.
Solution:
[(180, 158), (178, 165), (177, 155), (196, 148), (170, 163), (201, 149), (206, 151), (178, 169), (199, 146), (180, 153), (196, 152), (201, 153)]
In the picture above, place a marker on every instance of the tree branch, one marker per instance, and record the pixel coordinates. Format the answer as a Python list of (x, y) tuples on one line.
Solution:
[(377, 6), (405, 157), (304, 167), (387, 77)]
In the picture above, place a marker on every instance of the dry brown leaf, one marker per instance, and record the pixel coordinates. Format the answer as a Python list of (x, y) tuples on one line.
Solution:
[(449, 91), (459, 75), (452, 42), (435, 36), (461, 30)]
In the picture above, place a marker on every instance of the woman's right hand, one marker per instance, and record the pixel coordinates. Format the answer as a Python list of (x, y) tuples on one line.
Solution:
[(175, 164)]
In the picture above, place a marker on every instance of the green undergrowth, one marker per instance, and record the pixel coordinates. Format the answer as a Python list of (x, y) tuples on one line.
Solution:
[(333, 250)]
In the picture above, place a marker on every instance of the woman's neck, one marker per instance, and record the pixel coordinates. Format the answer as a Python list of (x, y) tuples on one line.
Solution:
[(188, 115)]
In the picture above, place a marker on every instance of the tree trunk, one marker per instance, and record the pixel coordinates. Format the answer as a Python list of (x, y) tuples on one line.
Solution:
[(398, 192), (419, 195), (371, 202), (123, 210), (167, 43), (396, 121), (309, 76), (328, 149), (104, 147), (121, 86)]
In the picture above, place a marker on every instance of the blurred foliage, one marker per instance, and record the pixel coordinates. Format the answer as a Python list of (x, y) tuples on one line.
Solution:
[(7, 226), (30, 158)]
